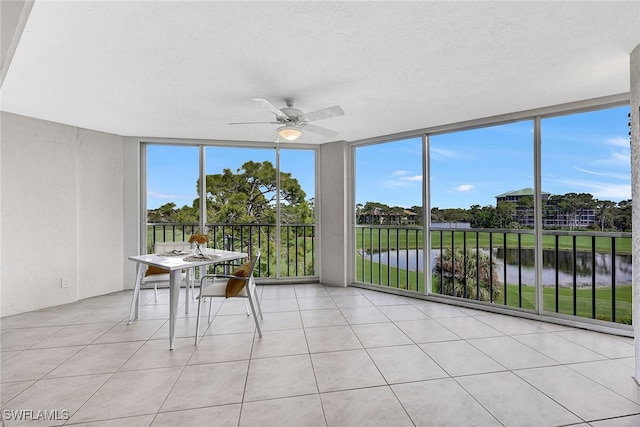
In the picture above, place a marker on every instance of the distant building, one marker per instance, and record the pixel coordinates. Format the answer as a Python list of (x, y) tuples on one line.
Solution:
[(450, 225), (392, 216), (553, 217)]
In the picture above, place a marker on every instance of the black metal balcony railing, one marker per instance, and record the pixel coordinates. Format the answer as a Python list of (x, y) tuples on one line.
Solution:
[(297, 244), (583, 274)]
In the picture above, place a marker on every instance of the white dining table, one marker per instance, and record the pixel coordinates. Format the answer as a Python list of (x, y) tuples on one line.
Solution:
[(175, 265)]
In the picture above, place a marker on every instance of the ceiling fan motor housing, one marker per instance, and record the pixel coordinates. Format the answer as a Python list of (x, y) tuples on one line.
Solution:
[(293, 113)]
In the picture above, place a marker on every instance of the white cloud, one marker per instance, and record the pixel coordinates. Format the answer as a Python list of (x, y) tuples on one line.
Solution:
[(618, 141), (617, 159), (621, 176), (464, 187), (439, 153), (414, 178), (402, 179), (600, 190)]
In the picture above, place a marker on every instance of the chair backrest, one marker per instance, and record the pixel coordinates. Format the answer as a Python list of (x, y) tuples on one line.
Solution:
[(166, 247), (254, 262)]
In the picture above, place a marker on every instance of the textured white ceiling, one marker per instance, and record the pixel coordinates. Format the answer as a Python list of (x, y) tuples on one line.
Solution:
[(187, 69)]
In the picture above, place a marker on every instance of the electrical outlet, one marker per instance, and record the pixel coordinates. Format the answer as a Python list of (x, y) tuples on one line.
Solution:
[(64, 283)]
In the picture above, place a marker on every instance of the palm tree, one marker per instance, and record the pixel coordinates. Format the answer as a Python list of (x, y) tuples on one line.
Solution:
[(467, 275)]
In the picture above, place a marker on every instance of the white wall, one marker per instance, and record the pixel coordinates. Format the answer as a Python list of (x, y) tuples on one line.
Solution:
[(133, 216), (333, 205), (62, 213), (100, 183)]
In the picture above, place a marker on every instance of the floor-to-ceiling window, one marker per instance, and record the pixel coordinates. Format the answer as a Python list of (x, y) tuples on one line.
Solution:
[(532, 212), (241, 201), (586, 172), (297, 213), (255, 199), (388, 214), (481, 198), (171, 192)]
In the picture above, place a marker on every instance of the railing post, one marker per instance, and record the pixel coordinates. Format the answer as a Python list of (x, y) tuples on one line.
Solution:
[(504, 265), (593, 277), (519, 270), (490, 267), (575, 276), (477, 265), (557, 271), (464, 264), (613, 279)]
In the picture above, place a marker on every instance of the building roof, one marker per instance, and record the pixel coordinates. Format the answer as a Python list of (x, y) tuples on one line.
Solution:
[(521, 192)]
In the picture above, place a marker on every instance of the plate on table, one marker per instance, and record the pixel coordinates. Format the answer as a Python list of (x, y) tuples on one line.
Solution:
[(175, 253)]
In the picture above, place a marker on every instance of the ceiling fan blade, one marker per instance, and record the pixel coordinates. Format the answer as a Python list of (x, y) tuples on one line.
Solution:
[(325, 113), (269, 106), (319, 130), (253, 123)]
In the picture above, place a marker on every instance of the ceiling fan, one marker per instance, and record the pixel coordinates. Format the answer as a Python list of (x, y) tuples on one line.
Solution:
[(294, 120)]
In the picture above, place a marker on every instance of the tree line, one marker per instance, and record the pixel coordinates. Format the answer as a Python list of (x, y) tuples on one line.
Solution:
[(248, 195), (569, 207)]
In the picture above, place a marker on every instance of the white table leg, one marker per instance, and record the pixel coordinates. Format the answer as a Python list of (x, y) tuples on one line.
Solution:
[(136, 293), (174, 295)]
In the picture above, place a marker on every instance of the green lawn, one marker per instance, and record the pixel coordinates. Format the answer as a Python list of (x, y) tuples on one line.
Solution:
[(379, 239), (584, 302), (380, 274)]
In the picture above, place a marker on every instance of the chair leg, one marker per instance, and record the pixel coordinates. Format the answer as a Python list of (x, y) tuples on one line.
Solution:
[(255, 316), (255, 294), (246, 306), (210, 310), (135, 298), (191, 275), (192, 282), (155, 289), (198, 320)]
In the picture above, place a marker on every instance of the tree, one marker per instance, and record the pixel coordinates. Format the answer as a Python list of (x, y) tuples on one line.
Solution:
[(505, 211), (604, 212), (163, 214), (622, 219), (456, 215), (436, 215), (418, 212), (468, 275), (249, 195), (374, 213), (525, 210), (488, 217), (475, 216), (572, 205), (168, 213)]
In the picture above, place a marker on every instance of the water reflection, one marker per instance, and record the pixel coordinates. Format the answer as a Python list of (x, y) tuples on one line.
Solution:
[(413, 260)]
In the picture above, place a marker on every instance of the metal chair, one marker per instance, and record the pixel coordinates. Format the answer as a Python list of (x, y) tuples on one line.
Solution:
[(215, 285), (156, 275)]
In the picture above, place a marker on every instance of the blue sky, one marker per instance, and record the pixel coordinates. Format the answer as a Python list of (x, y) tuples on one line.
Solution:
[(581, 153), (173, 170)]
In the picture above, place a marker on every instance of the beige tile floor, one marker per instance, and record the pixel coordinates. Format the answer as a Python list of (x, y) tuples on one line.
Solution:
[(328, 357)]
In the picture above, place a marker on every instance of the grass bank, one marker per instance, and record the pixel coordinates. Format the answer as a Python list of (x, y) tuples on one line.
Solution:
[(523, 297), (383, 239)]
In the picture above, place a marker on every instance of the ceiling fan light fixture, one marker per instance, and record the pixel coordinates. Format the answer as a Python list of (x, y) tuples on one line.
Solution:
[(289, 133)]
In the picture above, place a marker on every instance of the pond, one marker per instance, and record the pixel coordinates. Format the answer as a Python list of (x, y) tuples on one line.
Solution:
[(413, 260)]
